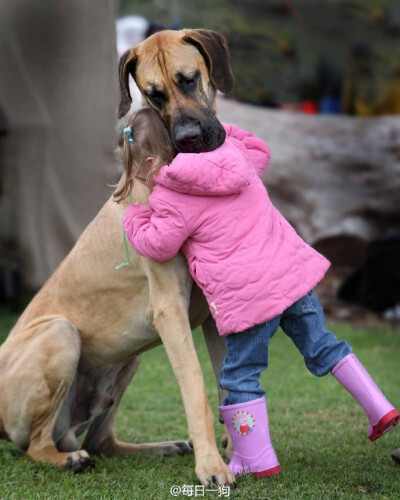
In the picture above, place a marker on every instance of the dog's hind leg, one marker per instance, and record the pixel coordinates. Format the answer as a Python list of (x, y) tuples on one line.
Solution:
[(41, 373), (100, 438)]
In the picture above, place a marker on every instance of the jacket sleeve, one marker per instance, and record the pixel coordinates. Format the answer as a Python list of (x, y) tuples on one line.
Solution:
[(156, 231), (256, 148)]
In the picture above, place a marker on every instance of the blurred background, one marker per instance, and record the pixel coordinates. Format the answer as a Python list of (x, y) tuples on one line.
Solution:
[(318, 80)]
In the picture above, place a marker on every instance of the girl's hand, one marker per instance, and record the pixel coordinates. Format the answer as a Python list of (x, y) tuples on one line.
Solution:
[(156, 232)]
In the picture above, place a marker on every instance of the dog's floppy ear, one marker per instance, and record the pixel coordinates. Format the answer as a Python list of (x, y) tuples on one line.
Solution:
[(127, 66), (214, 48)]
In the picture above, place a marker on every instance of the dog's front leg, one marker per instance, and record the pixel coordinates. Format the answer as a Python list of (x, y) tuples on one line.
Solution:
[(217, 351), (168, 313)]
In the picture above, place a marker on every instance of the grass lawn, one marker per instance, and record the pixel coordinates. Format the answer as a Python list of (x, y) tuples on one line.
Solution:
[(319, 434)]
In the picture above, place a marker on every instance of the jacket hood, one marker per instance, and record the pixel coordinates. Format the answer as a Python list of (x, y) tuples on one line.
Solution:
[(226, 170)]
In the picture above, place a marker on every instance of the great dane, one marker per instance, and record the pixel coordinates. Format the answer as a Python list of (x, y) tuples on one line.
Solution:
[(67, 362)]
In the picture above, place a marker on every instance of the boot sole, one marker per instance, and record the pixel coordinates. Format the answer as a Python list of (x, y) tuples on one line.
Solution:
[(274, 471), (385, 424)]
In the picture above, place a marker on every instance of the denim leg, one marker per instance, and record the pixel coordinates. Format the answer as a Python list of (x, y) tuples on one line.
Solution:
[(246, 358), (304, 323)]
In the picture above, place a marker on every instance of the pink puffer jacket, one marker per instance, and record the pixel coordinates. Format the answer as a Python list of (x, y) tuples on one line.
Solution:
[(248, 260)]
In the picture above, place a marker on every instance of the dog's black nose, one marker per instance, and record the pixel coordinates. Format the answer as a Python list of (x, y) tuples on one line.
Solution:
[(187, 137)]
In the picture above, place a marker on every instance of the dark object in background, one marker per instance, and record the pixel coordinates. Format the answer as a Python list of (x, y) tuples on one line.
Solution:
[(361, 95), (376, 284), (4, 125), (329, 85), (10, 289), (396, 456), (10, 284)]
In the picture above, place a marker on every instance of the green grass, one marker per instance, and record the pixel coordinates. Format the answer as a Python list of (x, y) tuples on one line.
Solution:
[(318, 431)]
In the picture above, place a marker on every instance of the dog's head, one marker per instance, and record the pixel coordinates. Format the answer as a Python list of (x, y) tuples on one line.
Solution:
[(178, 73)]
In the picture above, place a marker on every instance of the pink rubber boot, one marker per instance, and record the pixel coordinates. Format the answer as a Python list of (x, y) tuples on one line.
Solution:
[(247, 424), (355, 379)]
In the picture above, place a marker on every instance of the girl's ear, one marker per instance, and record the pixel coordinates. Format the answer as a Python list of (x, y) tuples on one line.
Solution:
[(150, 160)]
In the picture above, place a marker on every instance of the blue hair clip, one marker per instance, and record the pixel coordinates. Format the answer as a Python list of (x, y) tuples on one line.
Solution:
[(128, 132)]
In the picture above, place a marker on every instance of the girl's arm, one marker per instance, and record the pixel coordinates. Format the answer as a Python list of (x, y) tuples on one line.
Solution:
[(157, 231), (256, 148)]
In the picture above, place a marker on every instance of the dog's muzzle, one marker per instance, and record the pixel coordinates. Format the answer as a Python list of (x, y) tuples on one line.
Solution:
[(188, 138), (194, 136)]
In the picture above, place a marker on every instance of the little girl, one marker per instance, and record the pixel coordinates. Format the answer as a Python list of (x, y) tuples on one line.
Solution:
[(256, 273)]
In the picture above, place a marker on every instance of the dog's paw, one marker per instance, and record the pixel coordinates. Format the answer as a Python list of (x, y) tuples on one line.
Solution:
[(224, 441), (227, 446), (177, 448), (212, 477), (78, 461), (215, 482)]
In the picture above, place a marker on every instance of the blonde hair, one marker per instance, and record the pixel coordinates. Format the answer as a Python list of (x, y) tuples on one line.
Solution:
[(150, 138)]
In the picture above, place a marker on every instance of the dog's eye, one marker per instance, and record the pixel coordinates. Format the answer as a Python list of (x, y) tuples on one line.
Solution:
[(188, 82), (157, 98)]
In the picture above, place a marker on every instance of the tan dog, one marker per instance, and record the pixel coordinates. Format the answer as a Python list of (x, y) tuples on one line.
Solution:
[(67, 362)]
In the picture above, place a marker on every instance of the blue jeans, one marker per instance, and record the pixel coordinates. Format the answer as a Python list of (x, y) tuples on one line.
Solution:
[(247, 351)]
